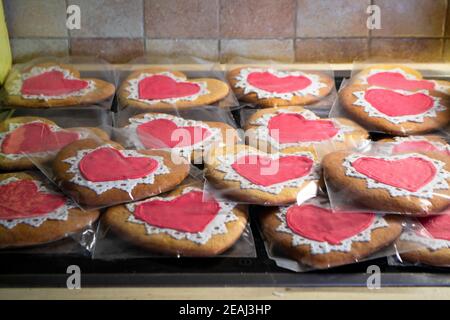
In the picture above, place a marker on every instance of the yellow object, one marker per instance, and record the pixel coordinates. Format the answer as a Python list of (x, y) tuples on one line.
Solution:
[(5, 51)]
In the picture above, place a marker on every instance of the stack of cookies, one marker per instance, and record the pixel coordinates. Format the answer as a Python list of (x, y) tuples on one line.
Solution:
[(138, 177), (32, 210)]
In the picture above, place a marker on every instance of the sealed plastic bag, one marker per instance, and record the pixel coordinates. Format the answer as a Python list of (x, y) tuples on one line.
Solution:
[(161, 84), (183, 223), (312, 236), (52, 82)]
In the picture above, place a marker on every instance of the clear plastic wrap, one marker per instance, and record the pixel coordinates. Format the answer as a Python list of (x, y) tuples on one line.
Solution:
[(291, 129), (35, 217), (51, 82), (98, 173), (268, 84), (428, 244), (190, 133), (248, 175), (311, 236), (36, 136), (410, 180), (160, 84), (183, 223), (395, 99)]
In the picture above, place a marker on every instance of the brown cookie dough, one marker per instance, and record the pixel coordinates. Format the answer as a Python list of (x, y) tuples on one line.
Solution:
[(175, 169), (26, 230), (410, 183), (22, 161), (430, 245), (102, 90), (304, 131), (270, 100), (215, 90), (135, 231), (281, 235), (247, 174), (379, 121), (191, 138)]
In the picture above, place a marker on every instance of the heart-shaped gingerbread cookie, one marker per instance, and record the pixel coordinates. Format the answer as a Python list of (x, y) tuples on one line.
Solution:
[(190, 138), (103, 173), (410, 183), (318, 237), (247, 174), (187, 222), (25, 141), (396, 112), (399, 77), (293, 129), (160, 89), (54, 85), (32, 212), (269, 87)]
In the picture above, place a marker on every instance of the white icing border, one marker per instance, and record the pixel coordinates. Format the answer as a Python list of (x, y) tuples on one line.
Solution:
[(132, 138), (60, 214), (262, 132), (323, 247), (124, 185), (225, 165), (133, 88), (17, 156), (216, 226), (312, 89), (16, 87), (439, 181), (430, 243), (373, 112)]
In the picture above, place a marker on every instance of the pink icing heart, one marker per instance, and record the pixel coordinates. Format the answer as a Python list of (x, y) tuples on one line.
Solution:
[(271, 83), (52, 83), (158, 87), (22, 199), (292, 128), (36, 137), (395, 80), (189, 212), (163, 133), (410, 174), (395, 104), (265, 171), (323, 225), (109, 164), (437, 226)]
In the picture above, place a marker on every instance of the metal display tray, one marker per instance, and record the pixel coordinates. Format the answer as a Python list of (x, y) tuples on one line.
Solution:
[(25, 270)]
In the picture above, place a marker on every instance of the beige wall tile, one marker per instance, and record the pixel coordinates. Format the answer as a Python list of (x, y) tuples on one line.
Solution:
[(280, 50), (257, 18), (419, 50), (110, 18), (332, 18), (182, 18), (330, 50), (183, 49), (27, 48), (411, 18), (36, 18), (114, 50)]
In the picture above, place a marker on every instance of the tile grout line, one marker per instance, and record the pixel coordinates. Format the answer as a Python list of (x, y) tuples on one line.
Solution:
[(294, 40)]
